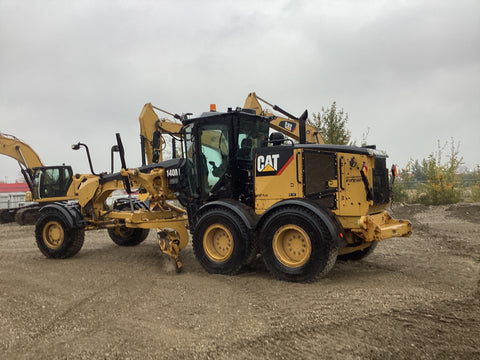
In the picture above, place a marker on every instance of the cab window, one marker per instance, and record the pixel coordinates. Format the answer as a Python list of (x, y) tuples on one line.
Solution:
[(251, 135), (214, 157)]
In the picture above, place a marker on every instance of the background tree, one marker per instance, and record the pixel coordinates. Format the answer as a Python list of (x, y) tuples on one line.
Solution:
[(331, 123), (476, 184), (442, 185), (418, 172), (431, 181)]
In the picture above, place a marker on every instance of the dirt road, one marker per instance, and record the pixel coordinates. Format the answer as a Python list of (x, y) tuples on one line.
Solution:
[(414, 297)]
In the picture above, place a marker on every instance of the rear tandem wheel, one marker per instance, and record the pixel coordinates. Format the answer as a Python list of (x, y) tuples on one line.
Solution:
[(296, 245), (222, 242), (359, 254)]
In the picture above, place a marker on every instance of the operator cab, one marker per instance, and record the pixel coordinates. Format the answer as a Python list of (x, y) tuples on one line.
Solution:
[(219, 148), (51, 181)]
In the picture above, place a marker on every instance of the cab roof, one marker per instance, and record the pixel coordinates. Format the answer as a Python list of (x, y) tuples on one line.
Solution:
[(229, 112)]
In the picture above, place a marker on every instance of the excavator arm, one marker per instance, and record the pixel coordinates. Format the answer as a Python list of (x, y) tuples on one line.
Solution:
[(149, 124), (287, 126), (17, 149), (26, 157)]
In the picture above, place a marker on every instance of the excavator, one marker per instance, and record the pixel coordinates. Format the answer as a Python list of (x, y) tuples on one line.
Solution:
[(46, 183), (301, 205)]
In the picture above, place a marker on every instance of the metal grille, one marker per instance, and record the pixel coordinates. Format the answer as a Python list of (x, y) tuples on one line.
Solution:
[(319, 168)]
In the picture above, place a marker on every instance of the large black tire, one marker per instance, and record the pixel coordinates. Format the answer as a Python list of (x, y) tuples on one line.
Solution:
[(123, 236), (222, 242), (360, 254), (296, 245), (55, 238), (7, 216)]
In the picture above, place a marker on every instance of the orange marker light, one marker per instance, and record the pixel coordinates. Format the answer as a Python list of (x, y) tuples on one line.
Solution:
[(213, 107)]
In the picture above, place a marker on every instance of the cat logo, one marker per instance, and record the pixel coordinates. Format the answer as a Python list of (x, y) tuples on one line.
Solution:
[(288, 125), (267, 163), (273, 163)]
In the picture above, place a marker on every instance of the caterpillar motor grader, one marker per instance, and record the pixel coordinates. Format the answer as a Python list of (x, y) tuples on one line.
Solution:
[(300, 205)]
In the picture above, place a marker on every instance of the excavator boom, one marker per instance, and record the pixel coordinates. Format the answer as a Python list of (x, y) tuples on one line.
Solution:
[(17, 149), (149, 124), (288, 126), (26, 157)]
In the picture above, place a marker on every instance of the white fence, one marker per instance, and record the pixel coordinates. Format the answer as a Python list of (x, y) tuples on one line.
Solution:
[(15, 200), (12, 200)]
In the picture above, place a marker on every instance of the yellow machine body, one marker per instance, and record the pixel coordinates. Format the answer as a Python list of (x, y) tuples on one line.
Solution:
[(336, 182)]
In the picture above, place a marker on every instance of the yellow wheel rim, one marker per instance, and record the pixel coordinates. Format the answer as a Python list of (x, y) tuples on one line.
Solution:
[(53, 234), (292, 246), (218, 243), (123, 231)]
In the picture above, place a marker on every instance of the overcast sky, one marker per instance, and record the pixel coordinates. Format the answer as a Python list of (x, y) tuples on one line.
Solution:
[(82, 70)]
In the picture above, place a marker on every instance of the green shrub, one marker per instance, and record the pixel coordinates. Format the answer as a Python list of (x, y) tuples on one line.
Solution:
[(432, 182), (475, 187)]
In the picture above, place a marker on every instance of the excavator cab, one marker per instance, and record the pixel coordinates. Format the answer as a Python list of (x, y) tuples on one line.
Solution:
[(219, 148), (51, 181)]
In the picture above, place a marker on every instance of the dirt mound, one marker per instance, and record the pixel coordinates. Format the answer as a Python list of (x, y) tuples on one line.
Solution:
[(467, 212)]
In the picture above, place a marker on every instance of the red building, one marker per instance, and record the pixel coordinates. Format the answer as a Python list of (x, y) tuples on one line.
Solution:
[(14, 188)]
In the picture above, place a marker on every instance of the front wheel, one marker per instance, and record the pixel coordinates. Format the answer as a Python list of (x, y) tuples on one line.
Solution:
[(55, 238), (222, 242), (296, 245), (123, 236)]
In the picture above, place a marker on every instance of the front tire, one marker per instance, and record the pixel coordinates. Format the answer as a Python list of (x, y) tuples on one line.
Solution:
[(123, 236), (296, 245), (55, 238), (222, 242)]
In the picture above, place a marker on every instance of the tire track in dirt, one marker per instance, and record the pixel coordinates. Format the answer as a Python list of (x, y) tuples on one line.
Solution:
[(71, 311)]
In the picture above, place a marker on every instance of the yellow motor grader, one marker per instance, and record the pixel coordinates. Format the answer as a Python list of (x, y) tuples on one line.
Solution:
[(242, 192)]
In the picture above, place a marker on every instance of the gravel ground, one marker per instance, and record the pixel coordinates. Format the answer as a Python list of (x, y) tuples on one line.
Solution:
[(414, 297)]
